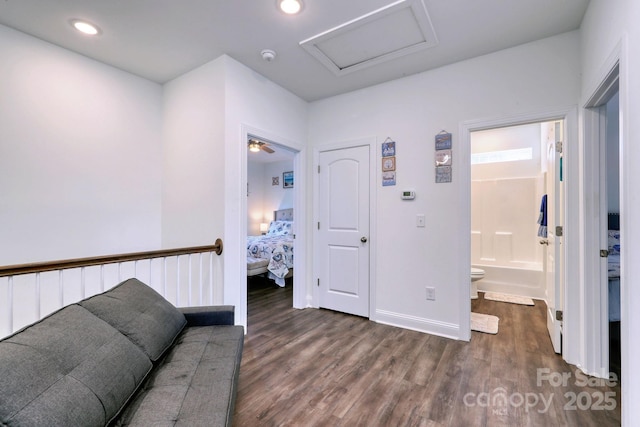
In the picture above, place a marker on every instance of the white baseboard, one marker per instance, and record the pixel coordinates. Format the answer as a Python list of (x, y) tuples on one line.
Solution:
[(420, 324)]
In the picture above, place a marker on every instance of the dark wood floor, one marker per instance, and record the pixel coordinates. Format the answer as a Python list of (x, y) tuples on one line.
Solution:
[(321, 368)]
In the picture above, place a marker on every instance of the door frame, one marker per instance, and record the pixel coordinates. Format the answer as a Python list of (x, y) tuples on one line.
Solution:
[(596, 222), (300, 221), (569, 114), (372, 143)]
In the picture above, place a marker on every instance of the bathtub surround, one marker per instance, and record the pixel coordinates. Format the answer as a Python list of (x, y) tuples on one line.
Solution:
[(508, 184)]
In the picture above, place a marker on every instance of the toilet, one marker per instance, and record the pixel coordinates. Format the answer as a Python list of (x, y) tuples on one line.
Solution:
[(476, 274)]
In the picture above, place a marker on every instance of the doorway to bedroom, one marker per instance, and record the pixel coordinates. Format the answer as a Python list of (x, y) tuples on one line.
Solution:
[(271, 195)]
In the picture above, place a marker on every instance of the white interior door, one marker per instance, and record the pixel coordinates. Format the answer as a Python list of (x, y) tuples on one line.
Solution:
[(343, 230), (554, 259)]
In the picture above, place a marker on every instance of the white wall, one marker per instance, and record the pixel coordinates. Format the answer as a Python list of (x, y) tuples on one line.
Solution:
[(255, 197), (610, 29), (412, 111), (79, 156), (256, 105), (275, 196), (264, 198), (613, 155), (193, 157), (193, 186)]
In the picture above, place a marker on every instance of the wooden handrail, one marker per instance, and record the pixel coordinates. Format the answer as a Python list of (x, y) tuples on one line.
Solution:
[(40, 267)]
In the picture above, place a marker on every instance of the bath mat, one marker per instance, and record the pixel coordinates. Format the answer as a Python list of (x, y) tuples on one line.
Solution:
[(484, 323), (513, 299)]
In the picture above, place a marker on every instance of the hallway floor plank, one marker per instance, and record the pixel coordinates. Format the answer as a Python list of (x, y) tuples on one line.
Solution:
[(321, 368)]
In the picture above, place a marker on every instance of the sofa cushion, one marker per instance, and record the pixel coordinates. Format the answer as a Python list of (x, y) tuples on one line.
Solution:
[(195, 384), (70, 368), (141, 314)]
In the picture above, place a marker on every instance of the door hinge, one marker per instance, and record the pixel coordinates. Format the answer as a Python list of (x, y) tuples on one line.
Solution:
[(559, 315), (559, 230), (318, 225), (318, 281), (559, 147), (604, 253), (318, 168)]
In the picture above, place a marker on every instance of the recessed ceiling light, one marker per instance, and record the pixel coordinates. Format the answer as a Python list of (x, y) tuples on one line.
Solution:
[(290, 7), (85, 27)]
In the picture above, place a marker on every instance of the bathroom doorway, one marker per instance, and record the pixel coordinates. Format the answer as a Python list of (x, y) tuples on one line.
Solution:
[(517, 214)]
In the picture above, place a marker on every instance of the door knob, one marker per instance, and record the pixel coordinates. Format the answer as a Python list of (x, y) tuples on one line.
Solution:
[(544, 242), (363, 239)]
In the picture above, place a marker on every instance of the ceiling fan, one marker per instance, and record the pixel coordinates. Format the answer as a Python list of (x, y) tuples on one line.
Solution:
[(255, 146)]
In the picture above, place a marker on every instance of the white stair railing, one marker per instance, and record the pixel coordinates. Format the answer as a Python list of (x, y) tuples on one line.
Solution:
[(29, 292)]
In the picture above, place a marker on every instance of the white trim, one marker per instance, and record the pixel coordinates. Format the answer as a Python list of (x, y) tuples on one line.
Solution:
[(571, 235), (420, 324), (630, 321), (235, 289), (595, 348), (595, 358), (371, 142)]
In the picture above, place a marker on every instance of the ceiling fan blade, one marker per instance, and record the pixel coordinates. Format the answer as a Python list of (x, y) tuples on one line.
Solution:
[(267, 149)]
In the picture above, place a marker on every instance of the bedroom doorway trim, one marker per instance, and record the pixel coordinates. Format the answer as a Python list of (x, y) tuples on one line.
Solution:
[(300, 197)]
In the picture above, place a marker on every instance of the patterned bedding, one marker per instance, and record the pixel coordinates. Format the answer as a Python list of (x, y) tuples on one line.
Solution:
[(613, 260), (613, 263), (277, 247)]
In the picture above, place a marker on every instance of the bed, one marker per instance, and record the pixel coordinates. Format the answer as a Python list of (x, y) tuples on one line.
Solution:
[(272, 253), (613, 264)]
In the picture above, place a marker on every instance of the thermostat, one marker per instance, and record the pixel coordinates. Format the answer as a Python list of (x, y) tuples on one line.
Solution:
[(408, 195)]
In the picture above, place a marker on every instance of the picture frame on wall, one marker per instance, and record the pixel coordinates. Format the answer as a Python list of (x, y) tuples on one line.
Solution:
[(287, 179), (388, 164)]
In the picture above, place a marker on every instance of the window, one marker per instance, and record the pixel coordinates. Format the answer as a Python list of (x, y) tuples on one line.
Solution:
[(502, 156)]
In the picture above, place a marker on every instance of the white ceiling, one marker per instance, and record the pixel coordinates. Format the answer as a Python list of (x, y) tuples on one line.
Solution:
[(280, 154), (162, 39)]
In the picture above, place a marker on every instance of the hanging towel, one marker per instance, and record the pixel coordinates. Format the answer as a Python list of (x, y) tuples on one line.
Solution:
[(542, 218)]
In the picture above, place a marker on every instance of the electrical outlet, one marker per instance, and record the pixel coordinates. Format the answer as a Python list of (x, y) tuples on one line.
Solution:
[(431, 294)]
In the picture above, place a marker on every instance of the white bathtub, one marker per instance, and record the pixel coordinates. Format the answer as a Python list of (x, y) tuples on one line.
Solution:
[(527, 281)]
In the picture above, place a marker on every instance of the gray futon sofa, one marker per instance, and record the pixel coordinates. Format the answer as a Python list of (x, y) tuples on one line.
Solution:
[(126, 357)]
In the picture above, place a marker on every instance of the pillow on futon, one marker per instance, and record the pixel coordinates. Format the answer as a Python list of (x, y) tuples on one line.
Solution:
[(141, 314)]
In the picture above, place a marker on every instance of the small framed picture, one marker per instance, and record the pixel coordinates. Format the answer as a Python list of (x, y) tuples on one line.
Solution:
[(443, 174), (388, 148), (287, 179), (443, 158), (443, 141), (388, 179), (388, 164), (275, 180)]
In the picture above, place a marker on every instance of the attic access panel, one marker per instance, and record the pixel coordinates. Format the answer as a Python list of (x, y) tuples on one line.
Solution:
[(396, 30)]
